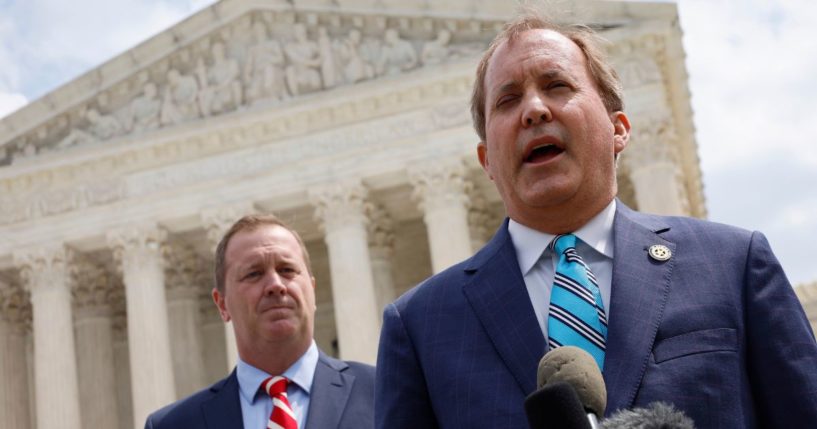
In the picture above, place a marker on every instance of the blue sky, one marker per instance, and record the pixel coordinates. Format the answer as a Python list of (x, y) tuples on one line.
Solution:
[(752, 67)]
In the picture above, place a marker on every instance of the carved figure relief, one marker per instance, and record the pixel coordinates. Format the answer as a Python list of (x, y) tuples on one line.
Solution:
[(437, 51), (355, 68), (180, 102), (397, 55), (102, 127), (220, 84), (234, 67), (304, 56), (264, 70), (144, 110)]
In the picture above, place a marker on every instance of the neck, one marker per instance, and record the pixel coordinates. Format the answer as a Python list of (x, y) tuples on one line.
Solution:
[(562, 219), (273, 358)]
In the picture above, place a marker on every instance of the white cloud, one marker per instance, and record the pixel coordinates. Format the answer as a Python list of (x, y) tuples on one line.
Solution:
[(54, 41), (752, 64), (11, 102)]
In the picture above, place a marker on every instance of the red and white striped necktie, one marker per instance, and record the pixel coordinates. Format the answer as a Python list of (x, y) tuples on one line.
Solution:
[(282, 416)]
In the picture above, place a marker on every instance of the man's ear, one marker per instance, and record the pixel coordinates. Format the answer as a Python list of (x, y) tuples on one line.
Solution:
[(482, 154), (218, 298), (621, 131)]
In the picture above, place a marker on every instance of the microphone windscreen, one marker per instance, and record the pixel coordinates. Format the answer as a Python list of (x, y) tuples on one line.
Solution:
[(556, 406), (657, 416), (576, 367)]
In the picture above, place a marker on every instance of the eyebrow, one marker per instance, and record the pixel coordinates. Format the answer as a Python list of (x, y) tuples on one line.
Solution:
[(546, 75)]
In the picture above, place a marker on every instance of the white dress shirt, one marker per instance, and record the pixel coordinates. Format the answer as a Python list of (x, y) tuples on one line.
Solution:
[(538, 263), (256, 405)]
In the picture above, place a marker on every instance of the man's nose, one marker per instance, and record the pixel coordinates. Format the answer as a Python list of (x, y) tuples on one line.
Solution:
[(273, 284), (535, 111)]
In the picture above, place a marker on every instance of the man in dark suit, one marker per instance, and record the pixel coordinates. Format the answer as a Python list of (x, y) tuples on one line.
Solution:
[(700, 315), (264, 284)]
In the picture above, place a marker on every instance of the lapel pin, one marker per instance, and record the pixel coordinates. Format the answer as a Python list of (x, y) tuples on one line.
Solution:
[(659, 252)]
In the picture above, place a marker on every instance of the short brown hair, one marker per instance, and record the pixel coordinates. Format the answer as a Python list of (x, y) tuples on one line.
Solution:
[(251, 223), (602, 73)]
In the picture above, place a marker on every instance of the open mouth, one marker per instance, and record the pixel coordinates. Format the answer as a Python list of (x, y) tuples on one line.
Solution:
[(543, 153)]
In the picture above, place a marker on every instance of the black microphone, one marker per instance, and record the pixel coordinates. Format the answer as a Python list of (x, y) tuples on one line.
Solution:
[(556, 406), (576, 368), (658, 415)]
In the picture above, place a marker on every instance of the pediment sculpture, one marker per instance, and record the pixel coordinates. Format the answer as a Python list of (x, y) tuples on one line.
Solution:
[(257, 60)]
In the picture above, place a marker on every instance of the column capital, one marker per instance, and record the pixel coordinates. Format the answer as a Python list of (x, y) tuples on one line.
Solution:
[(380, 231), (135, 243), (43, 266), (90, 286), (218, 219), (340, 204), (183, 271), (439, 183), (15, 306)]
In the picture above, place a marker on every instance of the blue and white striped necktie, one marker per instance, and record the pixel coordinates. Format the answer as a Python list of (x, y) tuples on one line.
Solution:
[(576, 316)]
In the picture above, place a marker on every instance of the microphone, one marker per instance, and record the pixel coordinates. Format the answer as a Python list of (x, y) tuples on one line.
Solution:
[(578, 370), (658, 415), (556, 406)]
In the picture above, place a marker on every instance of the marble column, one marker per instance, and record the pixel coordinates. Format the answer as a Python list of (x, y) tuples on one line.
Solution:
[(381, 248), (138, 251), (121, 357), (651, 163), (91, 289), (183, 293), (442, 190), (15, 319), (56, 386), (213, 340), (217, 221), (341, 210)]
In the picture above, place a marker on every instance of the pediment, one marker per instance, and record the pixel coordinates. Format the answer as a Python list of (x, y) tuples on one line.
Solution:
[(256, 55)]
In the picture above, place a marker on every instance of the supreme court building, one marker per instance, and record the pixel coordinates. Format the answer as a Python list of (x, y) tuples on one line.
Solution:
[(347, 118)]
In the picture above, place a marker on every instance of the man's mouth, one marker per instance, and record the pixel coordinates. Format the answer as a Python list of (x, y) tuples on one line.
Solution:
[(543, 153)]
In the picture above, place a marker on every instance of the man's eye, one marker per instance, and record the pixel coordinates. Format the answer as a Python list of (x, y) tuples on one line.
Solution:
[(558, 84), (505, 99), (252, 274)]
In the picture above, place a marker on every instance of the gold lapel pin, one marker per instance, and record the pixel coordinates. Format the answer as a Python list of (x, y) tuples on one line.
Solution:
[(659, 252)]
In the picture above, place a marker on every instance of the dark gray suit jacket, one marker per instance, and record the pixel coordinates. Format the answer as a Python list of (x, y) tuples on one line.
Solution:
[(342, 397)]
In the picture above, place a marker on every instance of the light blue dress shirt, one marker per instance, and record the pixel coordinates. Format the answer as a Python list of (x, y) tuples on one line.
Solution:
[(256, 405), (538, 263)]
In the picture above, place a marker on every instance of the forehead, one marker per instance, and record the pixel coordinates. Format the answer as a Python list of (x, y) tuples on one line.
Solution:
[(531, 50), (263, 239)]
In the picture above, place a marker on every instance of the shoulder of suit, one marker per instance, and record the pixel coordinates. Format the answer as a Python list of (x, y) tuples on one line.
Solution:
[(351, 367), (188, 404), (682, 226)]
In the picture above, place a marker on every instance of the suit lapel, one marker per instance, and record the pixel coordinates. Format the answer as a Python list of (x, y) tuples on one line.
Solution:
[(639, 292), (496, 292), (224, 409), (330, 392)]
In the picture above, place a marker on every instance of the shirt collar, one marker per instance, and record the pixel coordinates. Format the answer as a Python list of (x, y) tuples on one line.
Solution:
[(301, 373), (530, 243)]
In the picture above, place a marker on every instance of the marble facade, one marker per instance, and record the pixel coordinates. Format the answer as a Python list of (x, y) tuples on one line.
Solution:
[(348, 118)]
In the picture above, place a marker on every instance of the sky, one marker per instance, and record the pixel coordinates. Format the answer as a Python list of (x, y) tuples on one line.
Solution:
[(753, 78)]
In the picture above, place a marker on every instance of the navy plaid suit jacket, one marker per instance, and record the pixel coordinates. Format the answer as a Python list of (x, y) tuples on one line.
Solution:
[(716, 330)]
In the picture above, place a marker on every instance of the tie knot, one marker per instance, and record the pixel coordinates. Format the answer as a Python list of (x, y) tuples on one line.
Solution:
[(275, 385), (563, 242)]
